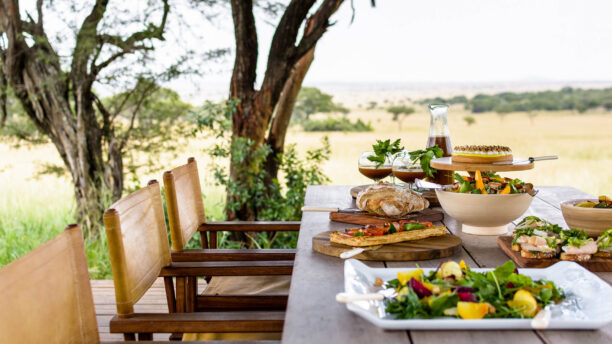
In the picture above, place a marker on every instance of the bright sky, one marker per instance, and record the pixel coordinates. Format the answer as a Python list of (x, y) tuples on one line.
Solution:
[(449, 41), (417, 41), (468, 41)]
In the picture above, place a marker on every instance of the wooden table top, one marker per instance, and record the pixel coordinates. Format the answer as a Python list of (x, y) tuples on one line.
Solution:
[(313, 315)]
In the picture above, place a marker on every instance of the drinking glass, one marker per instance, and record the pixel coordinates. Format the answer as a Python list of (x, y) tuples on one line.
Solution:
[(406, 170), (369, 169)]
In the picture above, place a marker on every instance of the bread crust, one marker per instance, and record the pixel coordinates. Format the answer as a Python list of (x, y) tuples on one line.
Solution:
[(575, 257), (605, 254), (390, 200), (537, 255), (360, 241)]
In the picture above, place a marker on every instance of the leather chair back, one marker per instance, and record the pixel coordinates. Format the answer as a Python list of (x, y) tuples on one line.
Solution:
[(138, 244), (45, 296), (182, 186)]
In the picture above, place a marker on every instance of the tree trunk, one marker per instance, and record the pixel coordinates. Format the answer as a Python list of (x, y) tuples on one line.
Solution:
[(284, 110), (253, 115)]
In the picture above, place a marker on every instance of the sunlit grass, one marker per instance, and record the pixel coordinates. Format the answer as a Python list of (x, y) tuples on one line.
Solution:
[(33, 211)]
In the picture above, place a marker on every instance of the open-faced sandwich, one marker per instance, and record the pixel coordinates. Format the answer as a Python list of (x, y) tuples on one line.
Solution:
[(604, 244), (390, 200), (577, 246), (536, 238), (389, 233), (481, 154), (539, 239)]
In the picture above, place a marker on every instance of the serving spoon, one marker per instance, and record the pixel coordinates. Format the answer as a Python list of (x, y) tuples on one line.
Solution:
[(378, 296)]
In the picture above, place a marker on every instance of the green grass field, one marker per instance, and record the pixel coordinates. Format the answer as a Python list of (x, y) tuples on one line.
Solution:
[(33, 210)]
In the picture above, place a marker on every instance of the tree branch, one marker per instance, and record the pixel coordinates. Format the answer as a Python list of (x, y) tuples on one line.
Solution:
[(143, 96), (320, 23), (286, 33), (3, 100), (85, 39), (130, 44), (106, 117), (245, 65)]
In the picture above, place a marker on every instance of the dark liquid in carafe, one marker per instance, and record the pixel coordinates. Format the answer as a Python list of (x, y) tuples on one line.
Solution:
[(442, 177)]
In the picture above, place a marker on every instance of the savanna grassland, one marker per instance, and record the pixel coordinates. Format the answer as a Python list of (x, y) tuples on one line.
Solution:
[(34, 208)]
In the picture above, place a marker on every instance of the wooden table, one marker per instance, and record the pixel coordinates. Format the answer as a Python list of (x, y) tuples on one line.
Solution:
[(313, 316)]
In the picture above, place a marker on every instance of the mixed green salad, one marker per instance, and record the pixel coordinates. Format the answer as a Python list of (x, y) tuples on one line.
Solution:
[(454, 290), (487, 183)]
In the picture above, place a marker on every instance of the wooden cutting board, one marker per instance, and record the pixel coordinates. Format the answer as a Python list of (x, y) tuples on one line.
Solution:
[(597, 264), (429, 248), (429, 195), (431, 215)]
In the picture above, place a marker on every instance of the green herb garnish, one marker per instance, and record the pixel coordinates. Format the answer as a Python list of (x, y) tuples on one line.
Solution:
[(383, 150), (358, 234), (424, 156), (413, 226)]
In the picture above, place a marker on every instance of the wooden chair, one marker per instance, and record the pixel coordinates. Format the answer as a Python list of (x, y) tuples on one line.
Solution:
[(186, 217), (45, 296), (139, 253)]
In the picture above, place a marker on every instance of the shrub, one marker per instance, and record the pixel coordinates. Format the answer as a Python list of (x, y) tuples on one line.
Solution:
[(334, 124), (469, 120)]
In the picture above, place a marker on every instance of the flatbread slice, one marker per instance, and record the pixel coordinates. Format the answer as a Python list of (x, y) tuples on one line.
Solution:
[(360, 241)]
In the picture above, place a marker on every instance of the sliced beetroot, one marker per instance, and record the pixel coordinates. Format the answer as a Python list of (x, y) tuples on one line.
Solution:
[(419, 288), (509, 285), (467, 297), (464, 290)]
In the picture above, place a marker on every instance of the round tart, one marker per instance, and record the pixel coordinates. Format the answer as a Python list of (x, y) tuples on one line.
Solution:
[(481, 154)]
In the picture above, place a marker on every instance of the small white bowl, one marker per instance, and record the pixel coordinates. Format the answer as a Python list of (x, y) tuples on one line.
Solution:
[(593, 220), (484, 214)]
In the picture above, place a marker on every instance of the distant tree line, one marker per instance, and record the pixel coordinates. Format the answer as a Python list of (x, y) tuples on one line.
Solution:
[(568, 98)]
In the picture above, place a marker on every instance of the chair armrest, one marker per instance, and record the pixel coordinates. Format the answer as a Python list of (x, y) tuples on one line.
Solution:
[(206, 255), (199, 322), (251, 226), (228, 268)]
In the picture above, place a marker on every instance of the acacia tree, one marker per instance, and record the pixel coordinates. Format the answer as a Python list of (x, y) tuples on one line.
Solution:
[(59, 97), (288, 62), (400, 112)]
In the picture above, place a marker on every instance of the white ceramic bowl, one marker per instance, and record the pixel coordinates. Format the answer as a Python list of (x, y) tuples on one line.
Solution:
[(484, 214), (593, 220)]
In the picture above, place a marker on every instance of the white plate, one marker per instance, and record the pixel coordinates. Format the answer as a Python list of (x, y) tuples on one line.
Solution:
[(588, 304)]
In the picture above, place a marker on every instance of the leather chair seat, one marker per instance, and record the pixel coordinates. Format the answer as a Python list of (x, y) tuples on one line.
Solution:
[(243, 285), (248, 285)]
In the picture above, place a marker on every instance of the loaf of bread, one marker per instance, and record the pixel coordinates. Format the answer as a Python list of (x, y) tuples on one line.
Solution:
[(390, 200)]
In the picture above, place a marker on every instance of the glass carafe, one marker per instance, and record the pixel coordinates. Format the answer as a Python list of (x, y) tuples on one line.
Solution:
[(440, 135)]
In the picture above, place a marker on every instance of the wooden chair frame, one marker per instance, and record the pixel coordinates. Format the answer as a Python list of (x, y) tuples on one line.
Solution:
[(142, 325), (240, 262)]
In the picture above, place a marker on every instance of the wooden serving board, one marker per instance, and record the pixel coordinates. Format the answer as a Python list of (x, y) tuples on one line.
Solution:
[(429, 195), (431, 215), (596, 264), (429, 248)]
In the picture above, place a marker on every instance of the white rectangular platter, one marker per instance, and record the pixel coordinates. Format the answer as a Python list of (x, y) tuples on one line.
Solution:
[(588, 304)]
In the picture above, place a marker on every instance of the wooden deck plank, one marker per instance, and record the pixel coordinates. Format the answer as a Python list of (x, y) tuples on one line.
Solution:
[(153, 301)]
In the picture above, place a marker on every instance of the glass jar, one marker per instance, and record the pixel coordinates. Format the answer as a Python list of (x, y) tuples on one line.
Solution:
[(440, 135)]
